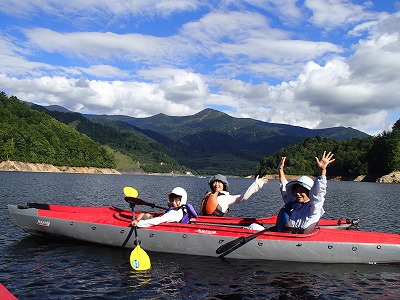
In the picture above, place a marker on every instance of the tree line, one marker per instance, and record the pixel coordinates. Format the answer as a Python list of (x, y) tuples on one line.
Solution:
[(372, 156)]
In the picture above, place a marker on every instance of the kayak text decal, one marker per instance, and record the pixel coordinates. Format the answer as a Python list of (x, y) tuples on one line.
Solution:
[(43, 223), (202, 231)]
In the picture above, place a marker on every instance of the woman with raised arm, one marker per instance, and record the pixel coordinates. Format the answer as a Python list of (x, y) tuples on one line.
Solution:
[(217, 202), (303, 197)]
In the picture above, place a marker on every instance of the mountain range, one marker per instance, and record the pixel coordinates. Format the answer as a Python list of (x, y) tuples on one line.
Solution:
[(213, 142), (205, 143)]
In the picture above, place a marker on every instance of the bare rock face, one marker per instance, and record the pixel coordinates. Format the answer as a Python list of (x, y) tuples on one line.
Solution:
[(393, 177), (10, 165)]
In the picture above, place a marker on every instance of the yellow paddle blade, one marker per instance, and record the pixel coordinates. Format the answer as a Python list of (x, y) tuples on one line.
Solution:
[(139, 259), (130, 192)]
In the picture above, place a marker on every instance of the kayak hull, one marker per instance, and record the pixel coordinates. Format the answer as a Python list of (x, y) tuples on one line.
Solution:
[(111, 226)]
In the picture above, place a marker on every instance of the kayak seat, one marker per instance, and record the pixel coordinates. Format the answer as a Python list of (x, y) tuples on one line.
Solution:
[(38, 205)]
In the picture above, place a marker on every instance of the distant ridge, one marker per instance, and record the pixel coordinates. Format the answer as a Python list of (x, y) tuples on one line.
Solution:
[(211, 141), (58, 108), (210, 119)]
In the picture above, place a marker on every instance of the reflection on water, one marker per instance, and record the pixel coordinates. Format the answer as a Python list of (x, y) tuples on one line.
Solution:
[(37, 268)]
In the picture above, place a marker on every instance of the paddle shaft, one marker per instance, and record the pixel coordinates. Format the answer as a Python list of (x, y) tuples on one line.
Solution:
[(137, 241), (131, 230), (233, 245)]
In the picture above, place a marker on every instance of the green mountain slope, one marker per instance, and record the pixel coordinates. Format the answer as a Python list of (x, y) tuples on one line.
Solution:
[(28, 135), (212, 140), (145, 152)]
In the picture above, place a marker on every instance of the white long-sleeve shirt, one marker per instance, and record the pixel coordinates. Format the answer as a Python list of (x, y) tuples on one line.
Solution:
[(303, 215), (171, 216), (225, 199)]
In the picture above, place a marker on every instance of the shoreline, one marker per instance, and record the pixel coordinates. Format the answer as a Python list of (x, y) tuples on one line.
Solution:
[(17, 166)]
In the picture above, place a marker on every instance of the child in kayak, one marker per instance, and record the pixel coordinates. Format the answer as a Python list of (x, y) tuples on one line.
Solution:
[(178, 211), (303, 197), (217, 202)]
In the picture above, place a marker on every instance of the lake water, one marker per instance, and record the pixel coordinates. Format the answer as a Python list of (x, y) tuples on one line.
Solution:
[(37, 268)]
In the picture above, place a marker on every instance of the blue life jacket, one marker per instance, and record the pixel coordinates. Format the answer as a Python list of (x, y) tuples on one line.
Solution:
[(284, 217), (188, 212)]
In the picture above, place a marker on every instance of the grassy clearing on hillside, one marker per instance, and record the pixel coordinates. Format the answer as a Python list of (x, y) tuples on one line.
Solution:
[(124, 162)]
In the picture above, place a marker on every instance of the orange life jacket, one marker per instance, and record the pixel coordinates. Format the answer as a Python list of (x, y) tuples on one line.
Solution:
[(209, 206)]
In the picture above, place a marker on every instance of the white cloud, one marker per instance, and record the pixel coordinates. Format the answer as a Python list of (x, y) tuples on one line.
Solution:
[(184, 87), (286, 51), (377, 60), (332, 13), (97, 44)]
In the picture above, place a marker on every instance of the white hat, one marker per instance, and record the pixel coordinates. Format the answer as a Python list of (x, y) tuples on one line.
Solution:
[(304, 181), (179, 192)]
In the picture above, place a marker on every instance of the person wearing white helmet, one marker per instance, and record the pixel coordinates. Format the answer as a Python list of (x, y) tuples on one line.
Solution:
[(178, 211), (304, 198), (217, 202)]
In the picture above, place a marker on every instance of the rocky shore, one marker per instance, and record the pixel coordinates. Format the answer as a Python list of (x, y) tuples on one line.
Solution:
[(10, 165), (393, 177)]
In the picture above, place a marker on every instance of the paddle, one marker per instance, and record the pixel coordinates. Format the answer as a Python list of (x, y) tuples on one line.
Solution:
[(231, 246), (130, 192), (139, 259), (131, 197)]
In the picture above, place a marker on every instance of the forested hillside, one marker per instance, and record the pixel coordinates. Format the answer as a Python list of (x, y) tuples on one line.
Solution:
[(350, 157), (373, 156), (28, 135), (384, 156), (148, 154)]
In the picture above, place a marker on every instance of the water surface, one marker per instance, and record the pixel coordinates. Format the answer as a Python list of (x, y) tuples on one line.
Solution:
[(38, 268)]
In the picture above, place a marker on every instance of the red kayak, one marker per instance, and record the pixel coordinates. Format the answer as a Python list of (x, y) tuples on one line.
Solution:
[(5, 294), (209, 236), (122, 217)]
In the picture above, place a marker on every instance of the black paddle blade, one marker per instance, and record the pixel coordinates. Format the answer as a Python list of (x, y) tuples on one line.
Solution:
[(138, 201), (135, 201), (230, 246)]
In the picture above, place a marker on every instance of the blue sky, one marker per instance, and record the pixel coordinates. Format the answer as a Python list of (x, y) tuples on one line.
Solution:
[(311, 63)]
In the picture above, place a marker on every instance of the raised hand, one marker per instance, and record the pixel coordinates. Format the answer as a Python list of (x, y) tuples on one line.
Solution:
[(282, 163), (264, 179), (325, 161)]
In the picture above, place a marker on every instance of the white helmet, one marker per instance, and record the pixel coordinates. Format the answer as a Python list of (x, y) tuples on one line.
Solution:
[(304, 181), (179, 192)]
